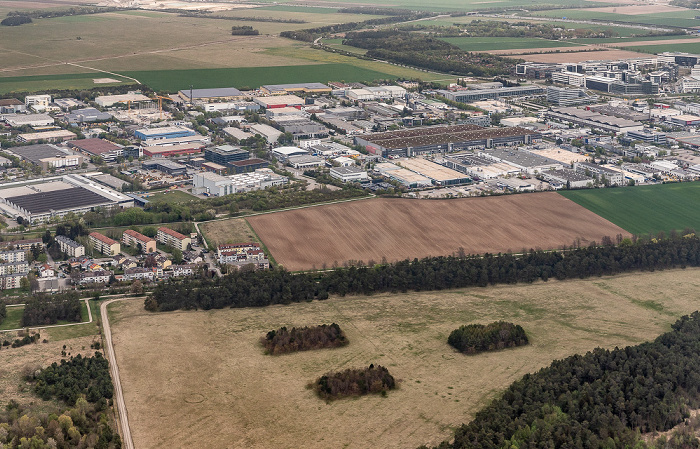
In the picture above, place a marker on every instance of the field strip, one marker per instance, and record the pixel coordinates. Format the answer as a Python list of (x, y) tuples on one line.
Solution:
[(87, 303), (127, 442), (693, 40)]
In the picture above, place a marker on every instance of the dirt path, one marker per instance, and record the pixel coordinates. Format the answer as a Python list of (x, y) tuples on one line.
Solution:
[(127, 442)]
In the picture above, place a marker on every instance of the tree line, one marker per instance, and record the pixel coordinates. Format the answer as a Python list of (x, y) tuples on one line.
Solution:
[(603, 399), (354, 382), (3, 311), (278, 286), (426, 51), (476, 338), (45, 309), (283, 340)]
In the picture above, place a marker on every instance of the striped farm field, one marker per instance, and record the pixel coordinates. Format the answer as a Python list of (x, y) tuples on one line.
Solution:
[(397, 229)]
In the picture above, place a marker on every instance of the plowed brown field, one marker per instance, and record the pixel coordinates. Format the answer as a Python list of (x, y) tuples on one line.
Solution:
[(398, 229)]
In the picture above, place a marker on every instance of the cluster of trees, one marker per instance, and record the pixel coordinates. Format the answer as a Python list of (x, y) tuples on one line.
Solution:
[(81, 426), (14, 21), (602, 399), (425, 51), (354, 382), (242, 30), (72, 11), (207, 15), (310, 34), (277, 286), (3, 311), (26, 340), (82, 382), (481, 28), (45, 309), (74, 378), (475, 338), (283, 340)]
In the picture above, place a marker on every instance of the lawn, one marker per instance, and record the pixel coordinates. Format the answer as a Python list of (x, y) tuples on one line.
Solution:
[(207, 368), (253, 77), (476, 44), (644, 209), (13, 320)]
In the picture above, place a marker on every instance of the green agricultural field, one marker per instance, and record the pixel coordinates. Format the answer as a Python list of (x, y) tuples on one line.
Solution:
[(644, 209), (253, 77), (689, 48), (65, 81), (452, 5), (477, 44), (682, 18), (624, 40)]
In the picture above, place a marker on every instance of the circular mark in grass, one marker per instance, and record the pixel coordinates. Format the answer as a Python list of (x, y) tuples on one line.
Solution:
[(195, 398)]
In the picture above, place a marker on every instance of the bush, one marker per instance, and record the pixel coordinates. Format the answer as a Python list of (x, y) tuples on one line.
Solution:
[(283, 340), (16, 21), (476, 338), (355, 382)]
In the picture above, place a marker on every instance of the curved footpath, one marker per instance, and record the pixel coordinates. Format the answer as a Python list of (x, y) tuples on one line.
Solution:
[(127, 442)]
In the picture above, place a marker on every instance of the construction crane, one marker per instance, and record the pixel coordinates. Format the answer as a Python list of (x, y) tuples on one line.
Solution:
[(127, 102), (160, 103)]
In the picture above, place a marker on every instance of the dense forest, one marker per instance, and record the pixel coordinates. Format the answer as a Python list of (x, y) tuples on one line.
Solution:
[(425, 51), (602, 399), (45, 309), (283, 340), (355, 382), (276, 286), (83, 383), (476, 338)]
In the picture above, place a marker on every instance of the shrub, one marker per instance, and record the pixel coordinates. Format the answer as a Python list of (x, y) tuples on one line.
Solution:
[(476, 338), (355, 382), (282, 340)]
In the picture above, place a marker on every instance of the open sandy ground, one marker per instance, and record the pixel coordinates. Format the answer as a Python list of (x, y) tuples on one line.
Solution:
[(200, 379), (398, 229)]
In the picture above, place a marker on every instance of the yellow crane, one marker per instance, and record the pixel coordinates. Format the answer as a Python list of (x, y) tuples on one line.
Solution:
[(160, 103)]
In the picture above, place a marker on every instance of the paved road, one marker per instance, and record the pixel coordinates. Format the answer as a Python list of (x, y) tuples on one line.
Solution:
[(127, 442)]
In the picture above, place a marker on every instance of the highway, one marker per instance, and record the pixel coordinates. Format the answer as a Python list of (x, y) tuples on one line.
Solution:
[(127, 442)]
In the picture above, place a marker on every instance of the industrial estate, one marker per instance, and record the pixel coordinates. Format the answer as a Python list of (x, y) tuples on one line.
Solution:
[(399, 190)]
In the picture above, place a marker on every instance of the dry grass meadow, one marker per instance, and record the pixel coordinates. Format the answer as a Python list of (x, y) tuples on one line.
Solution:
[(234, 230), (200, 378), (398, 229)]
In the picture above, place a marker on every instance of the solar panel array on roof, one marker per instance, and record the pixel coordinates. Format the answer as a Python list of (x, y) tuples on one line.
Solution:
[(37, 203), (442, 135)]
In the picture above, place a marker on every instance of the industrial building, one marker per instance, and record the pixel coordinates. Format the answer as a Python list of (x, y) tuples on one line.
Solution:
[(39, 200), (599, 172), (87, 115), (104, 244), (136, 239), (567, 178), (284, 153), (210, 95), (217, 185), (108, 151), (526, 161), (106, 101), (223, 154), (406, 177), (47, 156), (268, 132), (647, 135), (58, 135), (594, 120), (349, 173), (442, 139), (33, 120), (168, 237), (173, 150), (305, 162), (438, 174), (247, 165), (479, 167), (279, 101), (466, 96), (169, 167), (167, 132), (11, 106), (307, 88), (38, 102), (562, 96), (70, 246), (684, 120)]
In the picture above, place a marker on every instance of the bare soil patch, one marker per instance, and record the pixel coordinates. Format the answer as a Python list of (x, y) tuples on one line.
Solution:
[(200, 378), (513, 51), (690, 40), (397, 229), (583, 56)]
